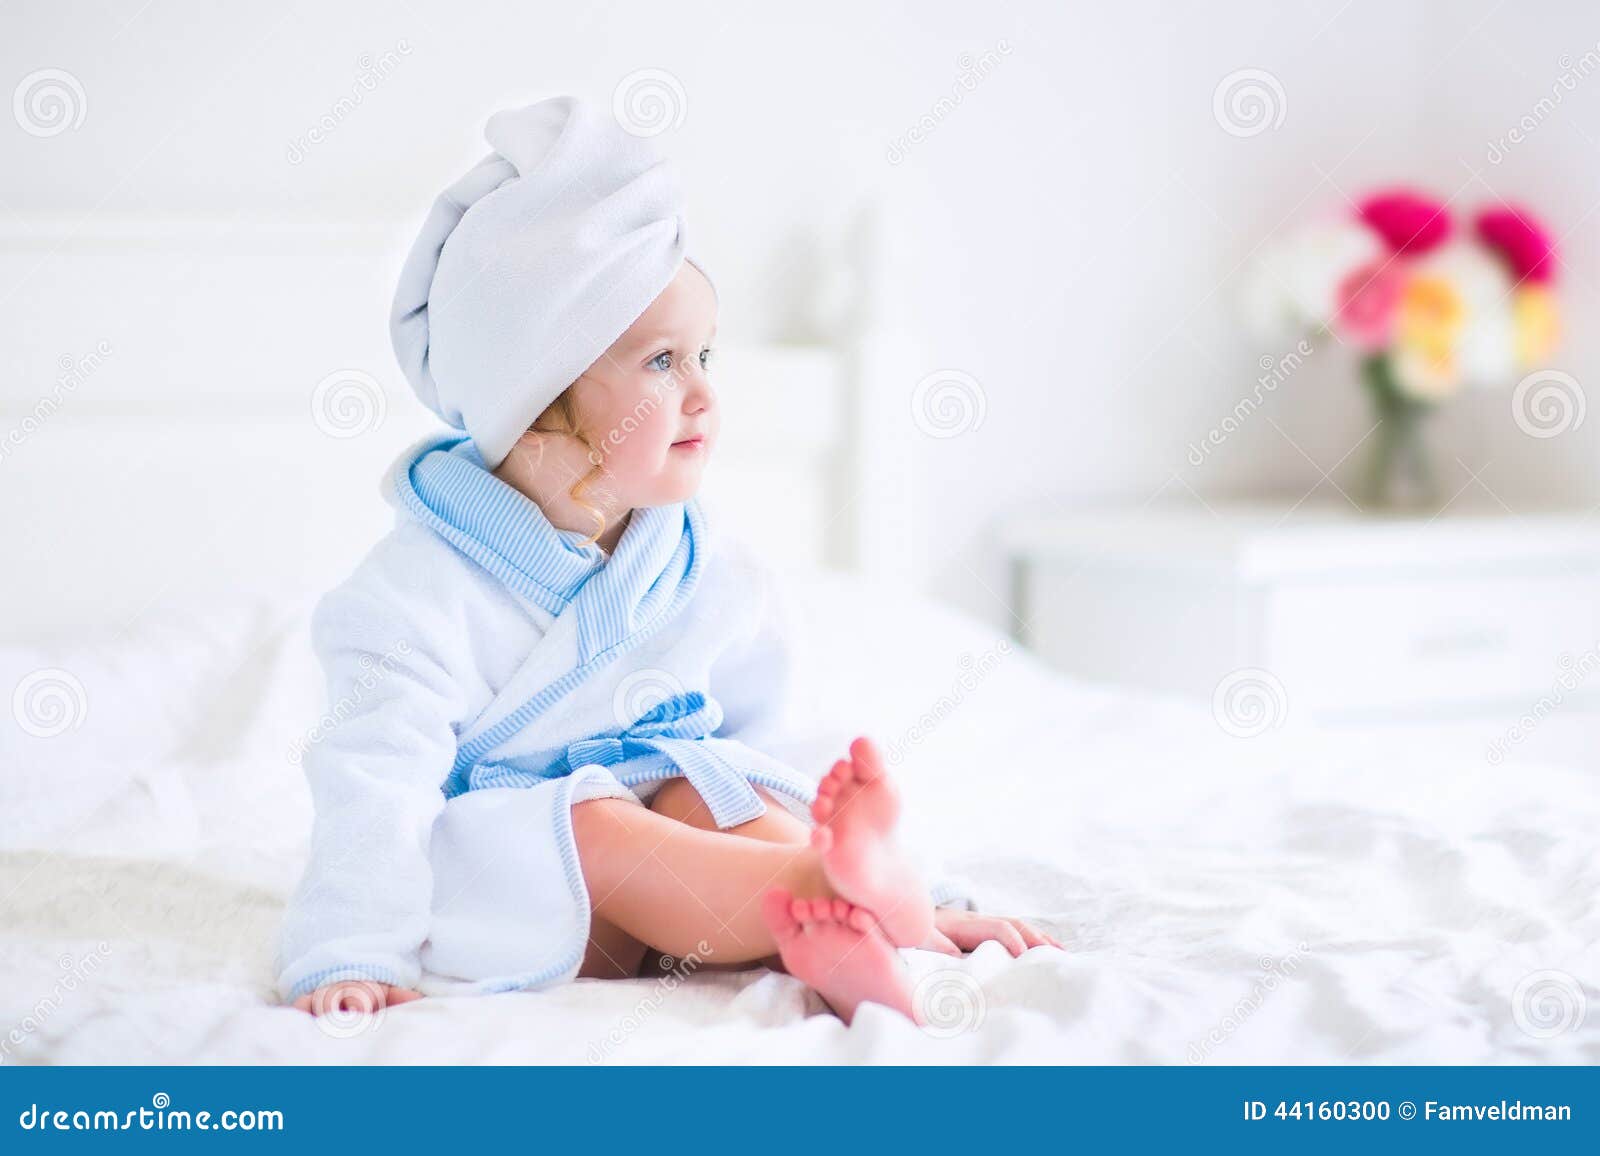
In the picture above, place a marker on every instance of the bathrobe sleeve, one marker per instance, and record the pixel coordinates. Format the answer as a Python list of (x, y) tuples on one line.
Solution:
[(397, 668)]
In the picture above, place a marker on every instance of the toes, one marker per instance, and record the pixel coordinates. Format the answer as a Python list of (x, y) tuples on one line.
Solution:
[(841, 910), (838, 775), (777, 909), (859, 919), (827, 791), (868, 762), (822, 839)]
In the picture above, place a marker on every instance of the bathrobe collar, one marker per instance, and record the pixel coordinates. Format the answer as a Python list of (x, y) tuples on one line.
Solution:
[(655, 568)]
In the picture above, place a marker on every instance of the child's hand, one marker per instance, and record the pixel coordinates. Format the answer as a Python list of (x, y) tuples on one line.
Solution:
[(357, 995), (955, 931)]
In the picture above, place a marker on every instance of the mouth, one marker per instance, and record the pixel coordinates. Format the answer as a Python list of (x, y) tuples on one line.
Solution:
[(690, 445)]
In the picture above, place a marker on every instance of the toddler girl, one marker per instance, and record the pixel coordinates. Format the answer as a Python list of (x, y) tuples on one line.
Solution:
[(555, 679)]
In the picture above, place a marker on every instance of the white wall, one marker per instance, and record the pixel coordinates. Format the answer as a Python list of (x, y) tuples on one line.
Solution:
[(1071, 235)]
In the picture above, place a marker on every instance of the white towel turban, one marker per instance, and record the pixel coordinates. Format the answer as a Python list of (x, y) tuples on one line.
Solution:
[(531, 265)]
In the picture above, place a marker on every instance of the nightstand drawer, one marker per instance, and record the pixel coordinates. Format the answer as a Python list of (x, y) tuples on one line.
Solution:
[(1424, 642)]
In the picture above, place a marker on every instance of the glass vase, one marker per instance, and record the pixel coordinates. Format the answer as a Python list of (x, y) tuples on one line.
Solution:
[(1399, 473)]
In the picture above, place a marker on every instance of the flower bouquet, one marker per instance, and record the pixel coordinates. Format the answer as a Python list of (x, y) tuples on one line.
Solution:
[(1428, 311)]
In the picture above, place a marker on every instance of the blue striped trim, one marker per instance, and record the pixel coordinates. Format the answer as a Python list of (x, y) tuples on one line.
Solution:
[(800, 790), (681, 729), (652, 561), (620, 602), (443, 483), (375, 972), (469, 753)]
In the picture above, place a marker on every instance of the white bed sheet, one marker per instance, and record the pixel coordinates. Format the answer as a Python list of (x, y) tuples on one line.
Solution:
[(1285, 898)]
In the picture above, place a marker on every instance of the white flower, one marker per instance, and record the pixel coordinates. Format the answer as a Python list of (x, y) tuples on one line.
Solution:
[(1295, 284), (1486, 350)]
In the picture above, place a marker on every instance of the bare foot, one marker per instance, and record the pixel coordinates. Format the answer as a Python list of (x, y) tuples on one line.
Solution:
[(835, 949), (856, 811)]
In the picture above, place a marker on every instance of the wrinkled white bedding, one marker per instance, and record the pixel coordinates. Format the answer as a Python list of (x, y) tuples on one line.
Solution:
[(1281, 898)]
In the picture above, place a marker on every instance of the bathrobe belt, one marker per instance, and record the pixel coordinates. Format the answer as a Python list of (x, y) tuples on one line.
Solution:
[(678, 730)]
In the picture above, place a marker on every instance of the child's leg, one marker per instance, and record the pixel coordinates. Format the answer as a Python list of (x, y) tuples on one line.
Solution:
[(677, 799), (613, 953), (675, 887), (735, 899)]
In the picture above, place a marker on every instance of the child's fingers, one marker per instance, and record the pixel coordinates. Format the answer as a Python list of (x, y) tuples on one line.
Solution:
[(1010, 938), (1030, 935), (355, 995)]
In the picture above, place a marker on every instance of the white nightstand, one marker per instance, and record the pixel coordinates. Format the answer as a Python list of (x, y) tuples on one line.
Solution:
[(1359, 617)]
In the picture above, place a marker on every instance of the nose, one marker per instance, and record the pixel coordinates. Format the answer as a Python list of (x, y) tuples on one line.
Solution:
[(699, 395)]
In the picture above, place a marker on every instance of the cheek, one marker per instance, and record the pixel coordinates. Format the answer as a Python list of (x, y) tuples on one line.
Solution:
[(641, 441)]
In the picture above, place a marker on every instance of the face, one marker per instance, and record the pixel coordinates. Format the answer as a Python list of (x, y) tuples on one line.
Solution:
[(647, 403)]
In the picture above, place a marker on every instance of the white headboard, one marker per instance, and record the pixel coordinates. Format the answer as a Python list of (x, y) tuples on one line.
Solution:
[(207, 409)]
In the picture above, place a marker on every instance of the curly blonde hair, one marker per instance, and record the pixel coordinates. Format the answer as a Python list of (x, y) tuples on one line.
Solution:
[(561, 417)]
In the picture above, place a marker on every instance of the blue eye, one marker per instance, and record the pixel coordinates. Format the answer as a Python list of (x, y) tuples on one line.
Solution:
[(705, 358), (662, 362)]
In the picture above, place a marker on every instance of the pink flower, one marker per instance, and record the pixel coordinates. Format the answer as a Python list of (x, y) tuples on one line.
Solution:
[(1410, 222), (1514, 234), (1367, 301)]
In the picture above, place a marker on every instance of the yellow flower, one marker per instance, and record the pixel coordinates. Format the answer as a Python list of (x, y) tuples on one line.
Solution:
[(1538, 323), (1431, 313), (1427, 328)]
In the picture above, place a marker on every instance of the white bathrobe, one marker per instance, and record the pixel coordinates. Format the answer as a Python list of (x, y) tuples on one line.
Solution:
[(485, 673)]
